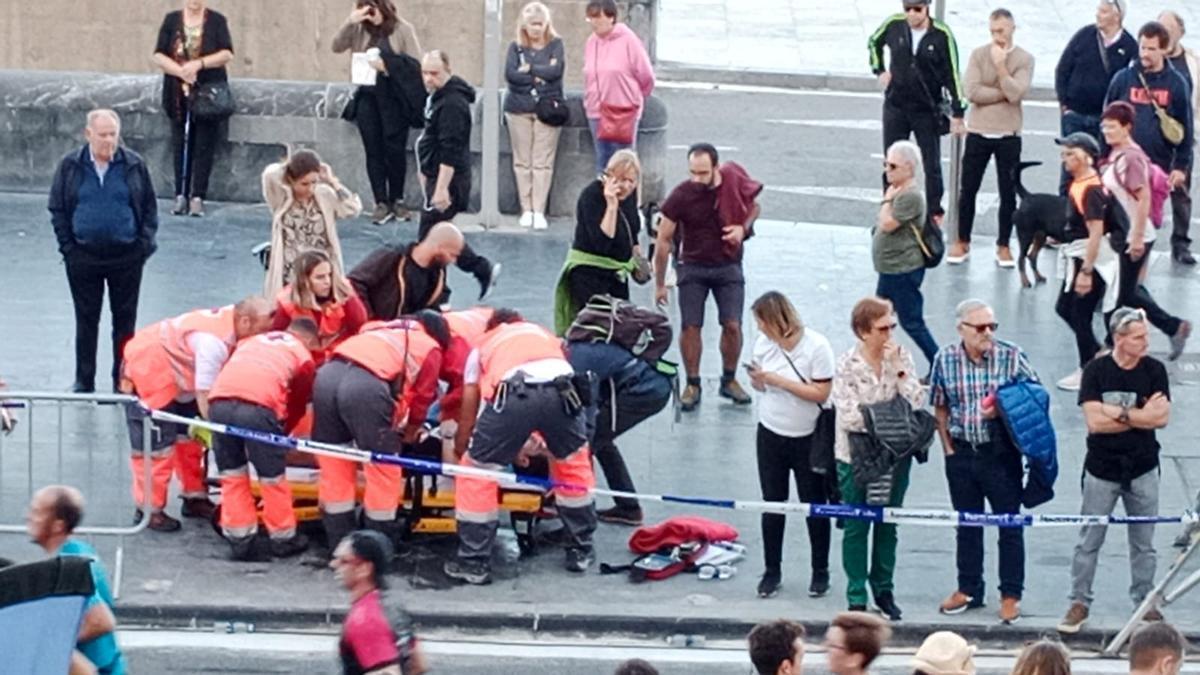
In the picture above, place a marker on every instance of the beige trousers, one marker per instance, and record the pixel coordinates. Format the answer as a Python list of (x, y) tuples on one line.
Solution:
[(534, 146)]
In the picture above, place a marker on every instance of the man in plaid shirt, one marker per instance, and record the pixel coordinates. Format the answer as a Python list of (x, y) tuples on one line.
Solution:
[(982, 462)]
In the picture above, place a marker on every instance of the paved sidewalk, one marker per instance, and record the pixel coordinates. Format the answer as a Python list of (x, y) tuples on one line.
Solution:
[(185, 577), (819, 38)]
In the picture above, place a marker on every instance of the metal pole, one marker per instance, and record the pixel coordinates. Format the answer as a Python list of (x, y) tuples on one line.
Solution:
[(489, 212), (939, 10), (950, 222)]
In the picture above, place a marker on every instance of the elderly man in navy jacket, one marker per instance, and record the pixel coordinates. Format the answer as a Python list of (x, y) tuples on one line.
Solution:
[(104, 213)]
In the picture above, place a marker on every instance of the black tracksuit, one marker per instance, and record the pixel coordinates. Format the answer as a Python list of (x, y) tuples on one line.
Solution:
[(913, 100), (446, 139)]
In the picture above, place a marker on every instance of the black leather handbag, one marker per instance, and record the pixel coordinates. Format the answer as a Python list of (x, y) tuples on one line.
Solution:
[(211, 101), (551, 111)]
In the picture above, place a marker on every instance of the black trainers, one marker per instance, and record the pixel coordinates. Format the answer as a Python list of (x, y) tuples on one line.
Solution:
[(487, 276), (286, 548), (769, 584), (469, 571), (819, 586), (857, 608), (381, 214), (886, 605), (579, 559), (620, 515)]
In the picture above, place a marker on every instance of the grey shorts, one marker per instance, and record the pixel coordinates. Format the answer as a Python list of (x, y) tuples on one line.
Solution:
[(726, 283)]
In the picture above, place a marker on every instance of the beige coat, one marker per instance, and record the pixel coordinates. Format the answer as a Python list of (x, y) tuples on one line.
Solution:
[(353, 37), (1193, 65), (335, 201)]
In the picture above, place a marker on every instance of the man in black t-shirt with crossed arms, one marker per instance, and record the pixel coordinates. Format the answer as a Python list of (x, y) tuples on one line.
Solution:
[(1125, 398)]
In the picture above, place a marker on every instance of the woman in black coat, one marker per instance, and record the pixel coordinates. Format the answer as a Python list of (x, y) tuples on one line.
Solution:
[(193, 47)]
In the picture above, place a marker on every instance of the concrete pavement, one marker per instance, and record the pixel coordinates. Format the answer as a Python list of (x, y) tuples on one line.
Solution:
[(818, 43), (814, 248)]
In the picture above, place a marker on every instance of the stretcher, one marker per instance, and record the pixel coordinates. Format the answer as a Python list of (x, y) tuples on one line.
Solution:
[(426, 504)]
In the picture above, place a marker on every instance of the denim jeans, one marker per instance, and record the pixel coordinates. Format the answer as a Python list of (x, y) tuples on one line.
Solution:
[(990, 471), (606, 149), (904, 291)]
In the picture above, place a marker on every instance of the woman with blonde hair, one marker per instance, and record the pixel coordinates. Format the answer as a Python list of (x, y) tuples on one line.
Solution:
[(793, 368), (322, 294), (306, 201), (534, 71), (1044, 657), (605, 251)]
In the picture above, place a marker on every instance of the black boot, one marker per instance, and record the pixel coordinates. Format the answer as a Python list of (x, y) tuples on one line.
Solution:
[(337, 526), (249, 549)]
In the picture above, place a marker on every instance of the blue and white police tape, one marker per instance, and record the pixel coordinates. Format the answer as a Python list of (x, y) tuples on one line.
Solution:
[(877, 514)]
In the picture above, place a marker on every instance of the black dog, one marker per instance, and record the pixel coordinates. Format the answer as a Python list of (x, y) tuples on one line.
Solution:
[(1037, 217)]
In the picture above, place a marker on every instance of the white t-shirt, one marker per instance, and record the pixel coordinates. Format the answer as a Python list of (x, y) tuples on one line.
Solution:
[(917, 36), (211, 354), (781, 411), (542, 370)]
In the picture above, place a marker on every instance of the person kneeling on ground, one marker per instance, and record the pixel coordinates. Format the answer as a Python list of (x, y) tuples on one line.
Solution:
[(393, 280), (265, 387)]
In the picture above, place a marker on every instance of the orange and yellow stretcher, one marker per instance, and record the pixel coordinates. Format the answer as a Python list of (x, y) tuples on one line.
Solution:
[(426, 504)]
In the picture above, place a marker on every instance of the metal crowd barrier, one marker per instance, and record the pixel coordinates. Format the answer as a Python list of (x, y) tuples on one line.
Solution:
[(74, 457)]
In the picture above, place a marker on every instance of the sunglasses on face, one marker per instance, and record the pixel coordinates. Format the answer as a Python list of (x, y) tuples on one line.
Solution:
[(916, 9), (981, 327)]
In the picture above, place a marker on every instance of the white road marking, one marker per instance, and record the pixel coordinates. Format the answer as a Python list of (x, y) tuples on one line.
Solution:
[(324, 644), (984, 201), (829, 93), (720, 148), (871, 125)]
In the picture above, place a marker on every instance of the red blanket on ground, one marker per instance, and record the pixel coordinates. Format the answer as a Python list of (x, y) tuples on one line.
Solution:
[(675, 531)]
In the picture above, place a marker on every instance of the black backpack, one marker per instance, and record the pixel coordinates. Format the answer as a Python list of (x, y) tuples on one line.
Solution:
[(645, 332)]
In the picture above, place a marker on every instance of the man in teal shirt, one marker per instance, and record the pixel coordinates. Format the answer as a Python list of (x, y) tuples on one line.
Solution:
[(54, 513)]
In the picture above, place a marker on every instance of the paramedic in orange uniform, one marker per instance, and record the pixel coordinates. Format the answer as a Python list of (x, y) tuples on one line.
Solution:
[(521, 375), (467, 327), (265, 386), (319, 293), (170, 366), (376, 383)]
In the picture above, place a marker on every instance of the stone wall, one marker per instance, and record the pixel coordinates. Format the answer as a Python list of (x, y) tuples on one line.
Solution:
[(42, 115), (273, 39)]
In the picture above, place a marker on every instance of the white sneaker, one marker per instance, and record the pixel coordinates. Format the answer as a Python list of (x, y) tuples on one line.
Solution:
[(1072, 381), (526, 219), (539, 221)]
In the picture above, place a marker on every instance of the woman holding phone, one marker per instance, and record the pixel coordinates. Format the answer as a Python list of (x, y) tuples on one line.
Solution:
[(606, 239), (793, 368), (381, 111), (192, 50)]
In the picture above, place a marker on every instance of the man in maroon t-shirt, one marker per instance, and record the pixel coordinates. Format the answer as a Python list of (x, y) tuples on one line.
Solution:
[(704, 222)]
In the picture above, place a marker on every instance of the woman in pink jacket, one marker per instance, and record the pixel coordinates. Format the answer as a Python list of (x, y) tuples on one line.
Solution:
[(618, 78)]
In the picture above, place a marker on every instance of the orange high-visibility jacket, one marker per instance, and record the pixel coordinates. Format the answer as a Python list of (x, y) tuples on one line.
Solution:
[(274, 370), (469, 324), (331, 318), (158, 361), (510, 345), (402, 353)]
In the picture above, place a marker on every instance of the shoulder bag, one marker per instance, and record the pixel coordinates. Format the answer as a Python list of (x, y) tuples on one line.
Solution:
[(549, 110), (211, 101), (929, 238), (1172, 129), (820, 456), (642, 271), (617, 122)]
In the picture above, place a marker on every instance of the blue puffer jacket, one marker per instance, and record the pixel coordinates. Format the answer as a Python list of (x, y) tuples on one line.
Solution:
[(1025, 409)]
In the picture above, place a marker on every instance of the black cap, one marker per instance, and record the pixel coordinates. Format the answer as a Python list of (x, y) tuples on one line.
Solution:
[(1081, 140), (915, 3)]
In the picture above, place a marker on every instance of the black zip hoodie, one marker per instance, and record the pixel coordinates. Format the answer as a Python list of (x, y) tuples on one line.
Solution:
[(446, 138)]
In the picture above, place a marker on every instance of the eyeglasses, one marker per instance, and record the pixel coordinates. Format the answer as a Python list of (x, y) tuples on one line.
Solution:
[(884, 329), (914, 8), (981, 327), (891, 166)]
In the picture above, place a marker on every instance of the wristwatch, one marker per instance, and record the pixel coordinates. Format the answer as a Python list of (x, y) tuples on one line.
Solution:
[(1123, 418)]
